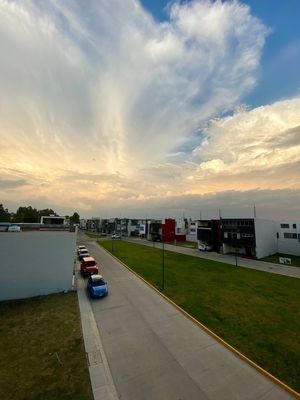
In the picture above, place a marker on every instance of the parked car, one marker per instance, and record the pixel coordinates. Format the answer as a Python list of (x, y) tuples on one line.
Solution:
[(80, 247), (205, 247), (115, 236), (88, 266), (83, 253), (14, 228), (96, 286)]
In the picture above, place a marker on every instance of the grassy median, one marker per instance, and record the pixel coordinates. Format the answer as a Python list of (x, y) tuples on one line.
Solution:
[(295, 260), (256, 312), (42, 351)]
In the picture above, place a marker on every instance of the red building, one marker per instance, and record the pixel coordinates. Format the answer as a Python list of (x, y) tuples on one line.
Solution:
[(168, 227)]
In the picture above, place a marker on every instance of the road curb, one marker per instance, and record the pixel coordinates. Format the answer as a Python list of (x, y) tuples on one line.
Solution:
[(211, 333)]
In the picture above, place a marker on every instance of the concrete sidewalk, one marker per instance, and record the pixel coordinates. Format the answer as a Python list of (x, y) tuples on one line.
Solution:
[(101, 379)]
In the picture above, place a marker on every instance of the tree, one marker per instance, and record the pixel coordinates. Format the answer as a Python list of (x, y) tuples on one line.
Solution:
[(75, 218), (27, 214), (4, 214), (46, 212)]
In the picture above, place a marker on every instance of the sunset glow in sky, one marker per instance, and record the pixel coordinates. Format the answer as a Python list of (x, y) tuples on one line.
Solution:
[(114, 107)]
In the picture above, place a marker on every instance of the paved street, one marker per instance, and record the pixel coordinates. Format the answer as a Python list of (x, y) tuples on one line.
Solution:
[(155, 352), (286, 270)]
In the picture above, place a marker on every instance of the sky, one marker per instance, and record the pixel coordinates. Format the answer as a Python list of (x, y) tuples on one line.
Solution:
[(151, 108)]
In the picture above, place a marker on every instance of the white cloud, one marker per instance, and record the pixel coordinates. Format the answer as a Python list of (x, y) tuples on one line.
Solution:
[(99, 90), (256, 140)]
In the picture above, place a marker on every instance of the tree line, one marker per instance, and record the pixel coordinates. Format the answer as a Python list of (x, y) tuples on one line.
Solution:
[(31, 215)]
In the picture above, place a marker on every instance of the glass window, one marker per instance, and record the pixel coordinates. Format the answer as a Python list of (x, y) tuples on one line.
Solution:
[(284, 226), (294, 226), (98, 282), (288, 235)]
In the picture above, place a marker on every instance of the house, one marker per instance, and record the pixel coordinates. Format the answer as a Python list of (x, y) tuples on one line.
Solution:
[(209, 232), (288, 237), (53, 220)]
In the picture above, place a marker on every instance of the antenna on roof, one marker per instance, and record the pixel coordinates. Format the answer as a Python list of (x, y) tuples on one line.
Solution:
[(220, 215), (254, 209)]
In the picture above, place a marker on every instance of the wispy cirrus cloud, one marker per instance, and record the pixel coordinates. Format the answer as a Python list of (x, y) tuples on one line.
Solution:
[(99, 102)]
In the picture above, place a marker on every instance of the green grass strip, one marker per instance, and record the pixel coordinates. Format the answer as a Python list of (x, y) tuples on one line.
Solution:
[(31, 331), (295, 260)]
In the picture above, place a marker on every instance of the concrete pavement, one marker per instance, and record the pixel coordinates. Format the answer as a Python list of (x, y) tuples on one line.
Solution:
[(156, 352), (286, 270), (101, 380)]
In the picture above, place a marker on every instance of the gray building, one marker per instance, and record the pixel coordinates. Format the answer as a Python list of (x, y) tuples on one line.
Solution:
[(36, 261)]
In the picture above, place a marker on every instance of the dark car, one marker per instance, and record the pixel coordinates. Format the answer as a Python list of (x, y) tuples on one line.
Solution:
[(83, 253), (97, 287)]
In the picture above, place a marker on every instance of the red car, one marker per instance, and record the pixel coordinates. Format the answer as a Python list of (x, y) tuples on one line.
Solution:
[(88, 266)]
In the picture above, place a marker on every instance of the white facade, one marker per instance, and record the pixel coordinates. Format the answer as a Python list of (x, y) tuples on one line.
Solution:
[(180, 227), (265, 235), (82, 224), (288, 240), (36, 263), (191, 234)]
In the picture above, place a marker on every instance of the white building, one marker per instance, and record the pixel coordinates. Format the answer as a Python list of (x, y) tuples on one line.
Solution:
[(191, 233), (53, 220), (288, 237), (36, 261)]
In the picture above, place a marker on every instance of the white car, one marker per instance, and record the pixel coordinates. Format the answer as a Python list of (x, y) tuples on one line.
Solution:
[(14, 228), (80, 247), (205, 247), (115, 236)]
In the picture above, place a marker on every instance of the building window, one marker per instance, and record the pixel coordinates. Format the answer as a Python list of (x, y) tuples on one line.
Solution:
[(284, 226), (277, 235), (247, 235), (294, 226), (288, 235)]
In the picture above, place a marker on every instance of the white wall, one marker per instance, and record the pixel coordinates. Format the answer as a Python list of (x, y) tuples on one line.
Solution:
[(266, 240), (36, 263), (289, 246)]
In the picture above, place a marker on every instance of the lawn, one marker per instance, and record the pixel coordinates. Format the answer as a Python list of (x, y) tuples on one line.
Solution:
[(275, 259), (31, 332), (256, 312)]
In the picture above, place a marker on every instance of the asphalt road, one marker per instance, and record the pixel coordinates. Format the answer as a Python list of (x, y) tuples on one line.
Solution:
[(156, 353)]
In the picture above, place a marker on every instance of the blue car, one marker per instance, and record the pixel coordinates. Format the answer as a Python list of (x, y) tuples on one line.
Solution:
[(96, 286)]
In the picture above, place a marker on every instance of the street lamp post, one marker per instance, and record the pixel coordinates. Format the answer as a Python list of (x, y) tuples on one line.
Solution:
[(236, 247), (163, 264)]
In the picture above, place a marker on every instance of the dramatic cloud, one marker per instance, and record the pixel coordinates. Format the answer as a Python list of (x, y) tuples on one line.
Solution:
[(100, 104)]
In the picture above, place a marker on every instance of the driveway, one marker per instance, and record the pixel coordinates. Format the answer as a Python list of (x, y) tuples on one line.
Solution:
[(156, 352)]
